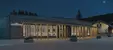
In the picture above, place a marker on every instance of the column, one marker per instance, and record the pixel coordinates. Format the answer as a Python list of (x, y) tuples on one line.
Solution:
[(40, 30), (65, 31), (78, 33), (76, 30), (91, 32), (71, 30), (30, 30), (83, 31), (51, 30), (47, 31), (62, 31), (59, 31), (82, 34), (26, 31), (86, 31), (36, 30), (56, 31), (96, 31), (23, 26)]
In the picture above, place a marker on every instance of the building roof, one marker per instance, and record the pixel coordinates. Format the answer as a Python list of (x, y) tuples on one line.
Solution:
[(50, 19)]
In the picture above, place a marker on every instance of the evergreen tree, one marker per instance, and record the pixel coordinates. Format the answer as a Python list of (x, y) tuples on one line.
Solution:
[(13, 12), (78, 16)]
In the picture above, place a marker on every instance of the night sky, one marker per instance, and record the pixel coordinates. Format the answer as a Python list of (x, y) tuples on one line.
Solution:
[(58, 8)]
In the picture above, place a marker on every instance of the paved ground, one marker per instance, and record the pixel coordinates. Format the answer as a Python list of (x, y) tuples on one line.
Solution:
[(91, 44)]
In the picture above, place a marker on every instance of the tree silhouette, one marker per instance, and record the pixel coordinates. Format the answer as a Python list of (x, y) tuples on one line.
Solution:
[(78, 16), (21, 12), (13, 13), (35, 14), (26, 13)]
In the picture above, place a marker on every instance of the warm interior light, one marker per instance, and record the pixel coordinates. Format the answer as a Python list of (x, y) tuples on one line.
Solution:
[(112, 30)]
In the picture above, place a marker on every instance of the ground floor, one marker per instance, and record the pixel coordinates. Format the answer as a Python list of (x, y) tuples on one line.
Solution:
[(53, 31)]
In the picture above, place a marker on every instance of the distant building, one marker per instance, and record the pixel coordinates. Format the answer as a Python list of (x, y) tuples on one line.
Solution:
[(21, 26)]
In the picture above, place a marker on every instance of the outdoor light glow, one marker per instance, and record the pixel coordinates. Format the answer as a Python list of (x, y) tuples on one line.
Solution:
[(88, 34), (112, 31)]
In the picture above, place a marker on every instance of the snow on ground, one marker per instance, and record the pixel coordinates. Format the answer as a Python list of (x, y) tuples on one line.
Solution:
[(10, 42), (91, 44)]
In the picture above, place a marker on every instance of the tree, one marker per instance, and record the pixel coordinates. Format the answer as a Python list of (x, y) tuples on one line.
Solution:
[(21, 12), (13, 12), (78, 16), (26, 13)]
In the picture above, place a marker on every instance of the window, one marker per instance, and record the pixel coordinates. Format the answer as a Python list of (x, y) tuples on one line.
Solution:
[(53, 30), (48, 30)]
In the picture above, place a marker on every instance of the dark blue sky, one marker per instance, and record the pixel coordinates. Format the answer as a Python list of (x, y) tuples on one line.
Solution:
[(61, 8)]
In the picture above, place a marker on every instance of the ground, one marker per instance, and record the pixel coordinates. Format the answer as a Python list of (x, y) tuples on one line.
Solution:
[(105, 43)]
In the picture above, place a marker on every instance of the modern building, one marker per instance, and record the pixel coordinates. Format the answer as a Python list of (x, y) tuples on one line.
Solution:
[(21, 26)]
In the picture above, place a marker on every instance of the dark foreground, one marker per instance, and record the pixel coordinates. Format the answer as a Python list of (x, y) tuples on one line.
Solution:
[(91, 44)]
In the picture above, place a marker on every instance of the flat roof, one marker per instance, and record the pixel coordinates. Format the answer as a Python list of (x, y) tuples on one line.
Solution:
[(71, 21)]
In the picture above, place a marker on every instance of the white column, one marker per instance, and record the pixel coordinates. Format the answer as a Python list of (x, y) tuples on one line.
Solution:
[(72, 30), (39, 28), (27, 30), (23, 30), (56, 32), (36, 30)]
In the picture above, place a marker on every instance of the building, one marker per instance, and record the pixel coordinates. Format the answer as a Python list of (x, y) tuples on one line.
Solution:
[(21, 26), (103, 29), (105, 21)]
